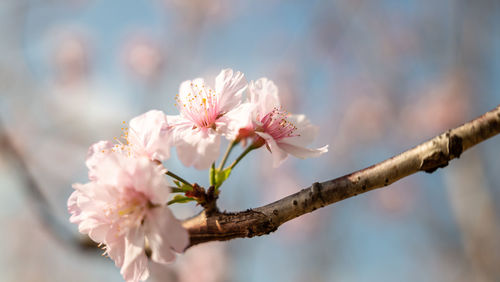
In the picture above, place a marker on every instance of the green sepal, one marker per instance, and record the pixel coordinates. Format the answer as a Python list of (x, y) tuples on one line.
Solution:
[(182, 189), (186, 187), (220, 176), (176, 190), (180, 199)]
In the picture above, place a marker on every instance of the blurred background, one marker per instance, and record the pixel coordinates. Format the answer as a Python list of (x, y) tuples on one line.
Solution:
[(378, 77)]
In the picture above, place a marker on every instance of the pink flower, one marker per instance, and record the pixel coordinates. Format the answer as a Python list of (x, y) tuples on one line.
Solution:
[(147, 136), (263, 119), (204, 116), (125, 207)]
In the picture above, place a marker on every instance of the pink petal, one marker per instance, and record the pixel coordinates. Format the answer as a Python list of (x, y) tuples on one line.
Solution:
[(264, 95), (197, 147), (186, 89), (84, 210), (110, 169), (115, 248), (230, 87), (149, 179), (98, 233), (149, 135), (73, 208), (302, 152), (278, 154), (305, 133), (96, 153), (165, 235), (239, 118), (135, 262)]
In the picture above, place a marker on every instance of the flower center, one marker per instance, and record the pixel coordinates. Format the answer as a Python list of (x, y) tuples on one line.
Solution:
[(123, 143), (128, 211), (201, 106), (276, 124)]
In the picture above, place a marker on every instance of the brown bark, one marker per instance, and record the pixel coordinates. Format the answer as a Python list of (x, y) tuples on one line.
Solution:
[(428, 156)]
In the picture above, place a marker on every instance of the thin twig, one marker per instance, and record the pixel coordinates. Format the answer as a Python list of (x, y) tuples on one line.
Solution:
[(175, 176), (39, 202)]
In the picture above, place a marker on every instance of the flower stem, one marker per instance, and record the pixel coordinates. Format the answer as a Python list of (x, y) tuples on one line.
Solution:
[(247, 150), (212, 174), (175, 176), (226, 155)]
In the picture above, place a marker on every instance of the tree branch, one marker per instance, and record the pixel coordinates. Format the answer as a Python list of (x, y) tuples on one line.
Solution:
[(39, 201), (428, 156)]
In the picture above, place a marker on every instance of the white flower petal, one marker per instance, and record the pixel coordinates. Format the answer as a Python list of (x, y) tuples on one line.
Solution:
[(115, 248), (111, 169), (149, 179), (96, 153), (98, 233), (302, 152), (278, 154), (187, 88), (165, 235), (135, 262), (197, 147), (305, 132), (149, 135), (239, 118), (264, 95), (230, 87), (73, 208)]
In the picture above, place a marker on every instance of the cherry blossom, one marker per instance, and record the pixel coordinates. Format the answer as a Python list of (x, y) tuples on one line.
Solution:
[(125, 206), (204, 116), (263, 119), (147, 136)]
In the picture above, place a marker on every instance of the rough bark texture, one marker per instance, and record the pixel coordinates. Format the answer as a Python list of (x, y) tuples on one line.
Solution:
[(429, 156)]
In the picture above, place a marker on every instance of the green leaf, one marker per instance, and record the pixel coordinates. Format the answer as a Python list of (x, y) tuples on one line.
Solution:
[(177, 183), (180, 199)]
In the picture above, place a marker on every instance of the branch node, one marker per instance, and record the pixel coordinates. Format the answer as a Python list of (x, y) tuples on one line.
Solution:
[(455, 147), (207, 199), (317, 190), (434, 161)]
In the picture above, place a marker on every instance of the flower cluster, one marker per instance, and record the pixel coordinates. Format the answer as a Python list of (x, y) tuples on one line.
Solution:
[(124, 207)]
